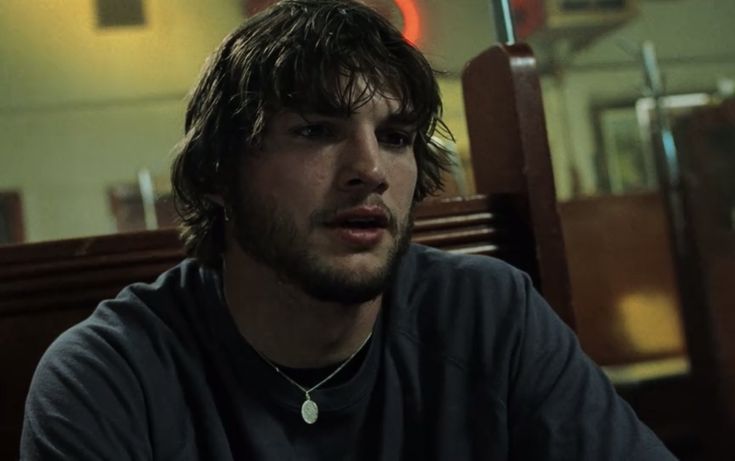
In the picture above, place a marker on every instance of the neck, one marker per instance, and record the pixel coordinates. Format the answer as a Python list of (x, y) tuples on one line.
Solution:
[(285, 324)]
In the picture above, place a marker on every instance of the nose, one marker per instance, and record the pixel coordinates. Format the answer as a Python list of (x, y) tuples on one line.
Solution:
[(362, 167)]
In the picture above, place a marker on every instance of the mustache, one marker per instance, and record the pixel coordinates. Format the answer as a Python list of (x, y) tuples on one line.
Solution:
[(324, 216)]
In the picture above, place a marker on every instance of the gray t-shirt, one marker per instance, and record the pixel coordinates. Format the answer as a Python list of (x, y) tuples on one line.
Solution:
[(466, 362)]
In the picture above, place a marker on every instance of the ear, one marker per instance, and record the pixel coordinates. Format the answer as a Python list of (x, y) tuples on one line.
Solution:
[(216, 198)]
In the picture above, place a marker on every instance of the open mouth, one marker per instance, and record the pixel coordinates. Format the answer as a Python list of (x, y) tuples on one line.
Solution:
[(361, 226), (363, 222)]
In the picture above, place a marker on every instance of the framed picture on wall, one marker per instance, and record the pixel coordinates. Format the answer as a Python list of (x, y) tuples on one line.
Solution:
[(675, 106), (129, 211), (11, 218), (625, 156), (624, 162)]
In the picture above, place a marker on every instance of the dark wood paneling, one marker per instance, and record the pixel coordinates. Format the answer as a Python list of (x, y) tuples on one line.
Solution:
[(618, 254), (702, 216)]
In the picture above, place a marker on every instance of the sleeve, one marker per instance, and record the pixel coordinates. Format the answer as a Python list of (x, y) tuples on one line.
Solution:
[(84, 403), (561, 405)]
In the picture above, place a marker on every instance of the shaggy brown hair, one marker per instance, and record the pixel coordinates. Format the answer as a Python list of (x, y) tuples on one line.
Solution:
[(309, 55)]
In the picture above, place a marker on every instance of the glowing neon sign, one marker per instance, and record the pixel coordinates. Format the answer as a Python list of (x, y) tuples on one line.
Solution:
[(411, 20), (410, 13)]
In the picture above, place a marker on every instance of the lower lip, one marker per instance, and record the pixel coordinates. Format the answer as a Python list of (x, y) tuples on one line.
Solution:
[(360, 237)]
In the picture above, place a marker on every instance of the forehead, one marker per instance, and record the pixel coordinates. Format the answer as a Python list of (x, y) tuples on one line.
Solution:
[(353, 94)]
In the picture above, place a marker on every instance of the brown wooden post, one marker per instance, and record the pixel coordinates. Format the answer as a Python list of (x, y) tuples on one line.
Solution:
[(510, 156)]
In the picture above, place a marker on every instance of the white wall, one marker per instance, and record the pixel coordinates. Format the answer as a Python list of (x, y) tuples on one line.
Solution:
[(83, 108)]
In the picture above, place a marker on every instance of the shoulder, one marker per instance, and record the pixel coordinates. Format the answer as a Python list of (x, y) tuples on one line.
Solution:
[(151, 310), (94, 383), (425, 257), (470, 308), (128, 338), (119, 325), (435, 278), (423, 266)]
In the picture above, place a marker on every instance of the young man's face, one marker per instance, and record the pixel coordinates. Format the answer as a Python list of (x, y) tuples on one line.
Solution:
[(327, 201)]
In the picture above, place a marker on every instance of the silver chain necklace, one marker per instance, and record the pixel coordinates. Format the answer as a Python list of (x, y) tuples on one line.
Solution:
[(309, 409)]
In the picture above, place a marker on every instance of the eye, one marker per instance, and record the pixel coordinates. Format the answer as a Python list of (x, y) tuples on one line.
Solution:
[(396, 139), (312, 131)]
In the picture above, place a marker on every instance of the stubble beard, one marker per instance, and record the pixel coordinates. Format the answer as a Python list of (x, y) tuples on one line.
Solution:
[(271, 237)]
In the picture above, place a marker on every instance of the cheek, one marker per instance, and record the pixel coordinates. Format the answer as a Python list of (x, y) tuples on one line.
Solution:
[(299, 185), (404, 176)]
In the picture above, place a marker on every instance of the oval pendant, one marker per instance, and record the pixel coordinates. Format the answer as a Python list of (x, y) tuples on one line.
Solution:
[(309, 411)]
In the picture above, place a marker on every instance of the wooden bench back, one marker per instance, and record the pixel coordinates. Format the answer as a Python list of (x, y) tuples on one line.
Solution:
[(702, 222), (510, 157)]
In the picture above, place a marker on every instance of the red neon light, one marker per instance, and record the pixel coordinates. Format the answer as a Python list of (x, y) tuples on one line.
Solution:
[(411, 20)]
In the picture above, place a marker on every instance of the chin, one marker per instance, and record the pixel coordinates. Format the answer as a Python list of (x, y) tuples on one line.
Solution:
[(352, 279), (347, 290)]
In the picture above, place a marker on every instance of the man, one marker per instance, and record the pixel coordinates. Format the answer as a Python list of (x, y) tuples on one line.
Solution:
[(305, 326)]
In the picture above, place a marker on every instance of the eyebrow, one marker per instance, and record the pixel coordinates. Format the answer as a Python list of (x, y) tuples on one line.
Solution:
[(398, 118), (402, 118)]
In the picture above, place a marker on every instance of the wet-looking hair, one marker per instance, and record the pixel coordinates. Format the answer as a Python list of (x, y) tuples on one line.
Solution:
[(328, 56)]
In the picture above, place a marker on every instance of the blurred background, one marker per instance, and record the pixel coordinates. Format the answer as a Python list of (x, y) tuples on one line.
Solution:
[(93, 94)]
